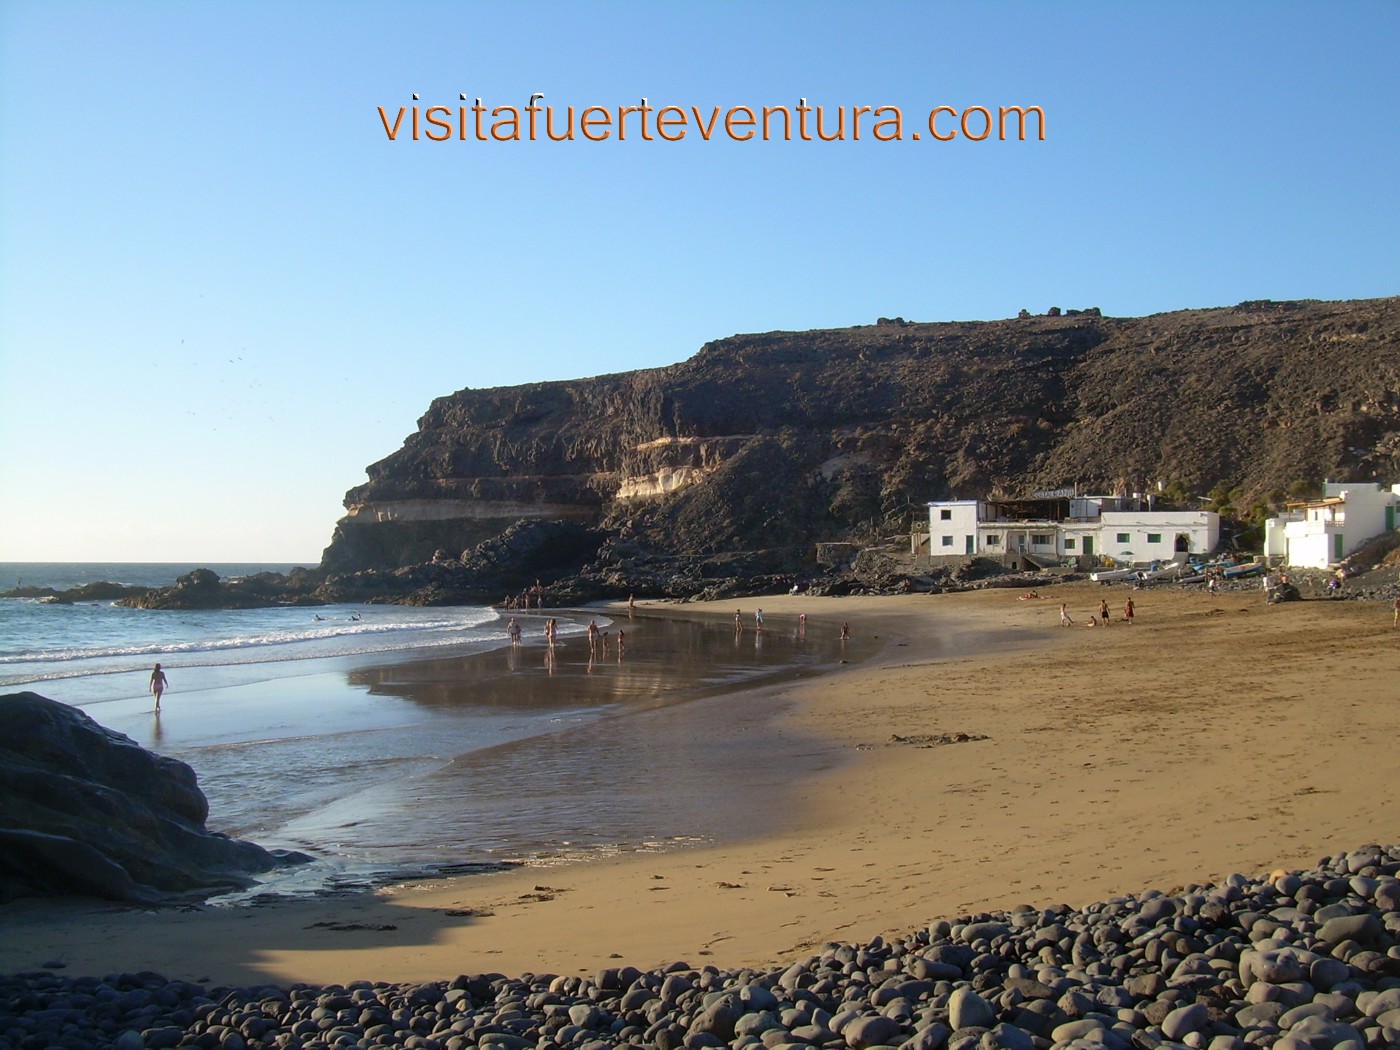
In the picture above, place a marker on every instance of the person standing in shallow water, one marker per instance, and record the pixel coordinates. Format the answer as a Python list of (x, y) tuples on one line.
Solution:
[(158, 684)]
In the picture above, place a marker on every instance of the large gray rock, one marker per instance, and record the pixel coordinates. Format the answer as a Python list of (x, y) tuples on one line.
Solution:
[(967, 1009), (85, 811)]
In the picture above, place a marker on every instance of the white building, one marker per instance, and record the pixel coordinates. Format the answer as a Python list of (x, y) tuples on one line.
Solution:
[(1053, 530), (1321, 532)]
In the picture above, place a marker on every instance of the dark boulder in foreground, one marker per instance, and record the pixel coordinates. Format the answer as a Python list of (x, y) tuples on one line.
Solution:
[(85, 811)]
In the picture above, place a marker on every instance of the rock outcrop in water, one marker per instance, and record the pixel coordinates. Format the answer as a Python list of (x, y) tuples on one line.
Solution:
[(734, 464), (202, 589), (85, 811)]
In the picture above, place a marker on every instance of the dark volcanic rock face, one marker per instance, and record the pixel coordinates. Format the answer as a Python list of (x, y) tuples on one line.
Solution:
[(202, 589), (85, 811), (770, 443)]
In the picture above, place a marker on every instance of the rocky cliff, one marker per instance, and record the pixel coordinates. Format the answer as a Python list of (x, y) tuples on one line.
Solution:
[(743, 457)]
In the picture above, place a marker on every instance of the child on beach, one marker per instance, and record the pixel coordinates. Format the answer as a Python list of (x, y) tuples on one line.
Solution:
[(158, 684)]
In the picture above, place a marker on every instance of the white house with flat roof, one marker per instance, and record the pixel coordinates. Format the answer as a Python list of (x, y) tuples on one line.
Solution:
[(1086, 529), (1321, 532)]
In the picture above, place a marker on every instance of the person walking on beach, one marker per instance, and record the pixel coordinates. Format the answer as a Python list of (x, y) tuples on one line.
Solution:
[(592, 637), (738, 621), (1103, 611), (158, 684), (845, 631), (758, 620), (1128, 610), (1065, 621), (513, 629)]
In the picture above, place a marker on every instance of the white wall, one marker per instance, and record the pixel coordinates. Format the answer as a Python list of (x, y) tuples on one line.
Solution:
[(1306, 536), (950, 524), (1202, 529), (949, 535)]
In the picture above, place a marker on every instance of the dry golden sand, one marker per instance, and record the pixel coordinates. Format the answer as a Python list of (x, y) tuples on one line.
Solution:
[(1214, 735)]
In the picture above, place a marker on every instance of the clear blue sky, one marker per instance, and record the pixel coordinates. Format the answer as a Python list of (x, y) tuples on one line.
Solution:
[(224, 291)]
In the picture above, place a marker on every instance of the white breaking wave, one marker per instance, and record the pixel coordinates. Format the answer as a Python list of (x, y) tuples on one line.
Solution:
[(252, 641)]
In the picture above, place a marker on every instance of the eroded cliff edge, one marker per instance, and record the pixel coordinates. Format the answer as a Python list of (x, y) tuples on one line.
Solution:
[(742, 458)]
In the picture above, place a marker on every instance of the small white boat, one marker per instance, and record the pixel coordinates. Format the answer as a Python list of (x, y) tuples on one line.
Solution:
[(1110, 575), (1170, 569)]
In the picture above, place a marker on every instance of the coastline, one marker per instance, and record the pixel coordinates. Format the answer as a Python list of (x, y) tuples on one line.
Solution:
[(1212, 736)]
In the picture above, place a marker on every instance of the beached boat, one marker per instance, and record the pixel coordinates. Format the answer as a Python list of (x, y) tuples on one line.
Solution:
[(1243, 570), (1111, 575), (1169, 570)]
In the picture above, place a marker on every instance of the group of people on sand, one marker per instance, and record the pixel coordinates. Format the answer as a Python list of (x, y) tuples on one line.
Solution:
[(599, 644), (599, 640), (801, 624), (1102, 619), (757, 621), (530, 598)]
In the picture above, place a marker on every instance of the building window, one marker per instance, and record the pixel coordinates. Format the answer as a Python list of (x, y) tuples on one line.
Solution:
[(1154, 537), (1042, 540), (945, 515), (947, 541), (1069, 544), (1123, 538), (993, 539)]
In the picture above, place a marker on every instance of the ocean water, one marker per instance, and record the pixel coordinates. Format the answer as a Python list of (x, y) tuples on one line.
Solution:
[(389, 740)]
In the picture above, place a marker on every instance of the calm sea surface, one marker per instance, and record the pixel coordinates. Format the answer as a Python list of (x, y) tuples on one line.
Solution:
[(395, 739)]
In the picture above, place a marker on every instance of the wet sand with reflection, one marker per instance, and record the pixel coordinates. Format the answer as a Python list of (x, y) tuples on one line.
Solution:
[(633, 751)]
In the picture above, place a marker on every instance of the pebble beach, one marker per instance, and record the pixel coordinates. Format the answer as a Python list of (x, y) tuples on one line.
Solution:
[(1011, 834)]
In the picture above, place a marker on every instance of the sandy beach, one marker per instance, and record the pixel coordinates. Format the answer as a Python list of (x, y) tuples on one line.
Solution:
[(998, 761)]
